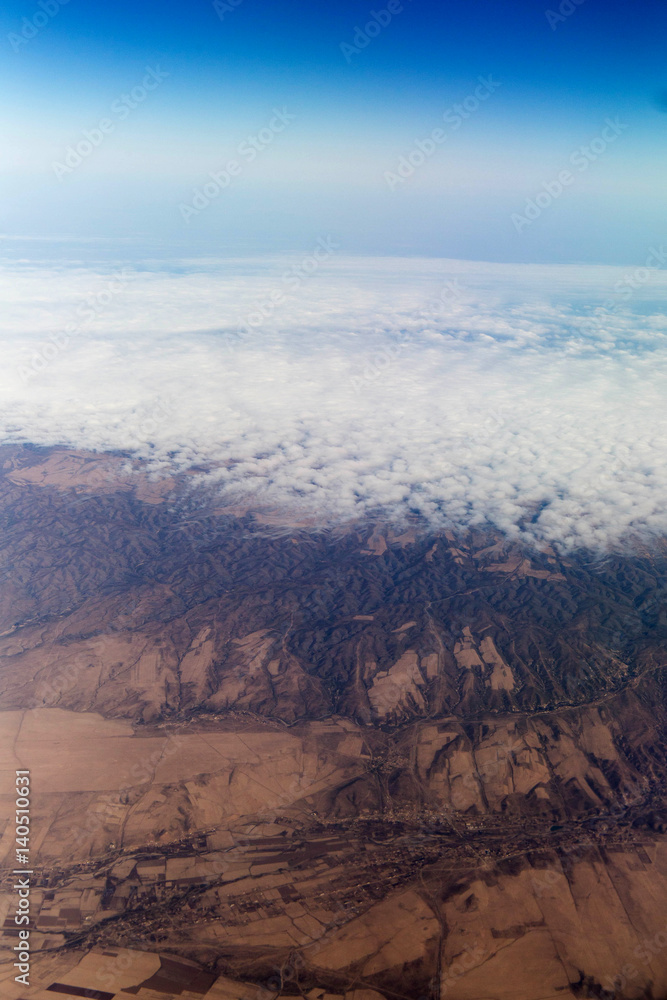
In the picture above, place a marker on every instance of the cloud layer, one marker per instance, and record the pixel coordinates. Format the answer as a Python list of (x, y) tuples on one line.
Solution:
[(532, 398)]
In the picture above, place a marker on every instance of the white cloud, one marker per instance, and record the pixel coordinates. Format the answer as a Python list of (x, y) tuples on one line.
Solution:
[(469, 393)]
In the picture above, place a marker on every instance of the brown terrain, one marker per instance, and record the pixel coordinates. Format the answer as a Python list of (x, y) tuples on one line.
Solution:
[(354, 763)]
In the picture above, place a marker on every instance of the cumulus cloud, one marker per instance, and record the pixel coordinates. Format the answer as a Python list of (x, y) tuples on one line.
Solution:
[(531, 398)]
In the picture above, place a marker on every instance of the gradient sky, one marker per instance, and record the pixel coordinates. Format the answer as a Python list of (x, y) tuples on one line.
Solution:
[(325, 173)]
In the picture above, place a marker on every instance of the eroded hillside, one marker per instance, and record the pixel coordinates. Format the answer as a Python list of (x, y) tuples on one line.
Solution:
[(365, 762)]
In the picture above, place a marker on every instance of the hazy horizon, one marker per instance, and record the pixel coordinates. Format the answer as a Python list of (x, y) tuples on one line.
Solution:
[(529, 398), (117, 119)]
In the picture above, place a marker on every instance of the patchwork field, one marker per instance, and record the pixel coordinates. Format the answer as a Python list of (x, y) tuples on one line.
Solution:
[(364, 765)]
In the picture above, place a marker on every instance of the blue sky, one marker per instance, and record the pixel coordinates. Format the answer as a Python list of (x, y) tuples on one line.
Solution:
[(165, 170), (333, 167)]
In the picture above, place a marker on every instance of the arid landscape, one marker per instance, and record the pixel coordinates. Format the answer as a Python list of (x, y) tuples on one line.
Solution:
[(368, 762)]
